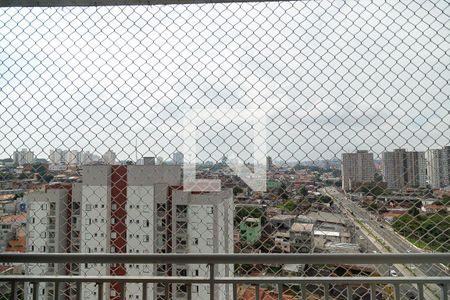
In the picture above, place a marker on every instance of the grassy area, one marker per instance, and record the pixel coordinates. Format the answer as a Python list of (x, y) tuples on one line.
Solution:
[(428, 232)]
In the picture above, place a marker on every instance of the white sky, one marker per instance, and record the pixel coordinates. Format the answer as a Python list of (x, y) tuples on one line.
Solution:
[(337, 75)]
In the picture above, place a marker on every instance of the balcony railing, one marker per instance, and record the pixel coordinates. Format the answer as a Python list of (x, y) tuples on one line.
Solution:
[(426, 287)]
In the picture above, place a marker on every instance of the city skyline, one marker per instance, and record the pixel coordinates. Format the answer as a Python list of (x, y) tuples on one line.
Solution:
[(378, 157)]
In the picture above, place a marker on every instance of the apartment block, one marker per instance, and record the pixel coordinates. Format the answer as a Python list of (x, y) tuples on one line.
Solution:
[(403, 168), (438, 167), (46, 233), (135, 209), (357, 168), (24, 156)]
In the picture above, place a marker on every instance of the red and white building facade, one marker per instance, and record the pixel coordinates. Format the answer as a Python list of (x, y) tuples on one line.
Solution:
[(129, 209)]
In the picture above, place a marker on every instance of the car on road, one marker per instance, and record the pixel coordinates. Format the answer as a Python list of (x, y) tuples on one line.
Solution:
[(381, 226), (393, 273)]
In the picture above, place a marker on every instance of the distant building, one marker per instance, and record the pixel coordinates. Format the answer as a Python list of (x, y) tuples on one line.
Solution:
[(438, 167), (7, 162), (57, 157), (109, 157), (269, 163), (149, 161), (301, 238), (24, 156), (9, 227), (250, 230), (404, 169), (129, 209), (357, 168), (72, 157), (178, 158)]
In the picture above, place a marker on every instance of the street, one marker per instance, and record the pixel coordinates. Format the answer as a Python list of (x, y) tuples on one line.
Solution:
[(388, 240)]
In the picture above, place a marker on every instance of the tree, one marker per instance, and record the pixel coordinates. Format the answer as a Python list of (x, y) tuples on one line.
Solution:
[(445, 200), (325, 199), (303, 191), (282, 191), (373, 207), (237, 190), (378, 177), (288, 205)]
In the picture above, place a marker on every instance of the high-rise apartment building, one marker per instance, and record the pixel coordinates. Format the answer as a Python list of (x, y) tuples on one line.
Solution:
[(109, 157), (357, 168), (24, 156), (131, 209), (178, 158), (438, 167), (402, 168), (57, 156)]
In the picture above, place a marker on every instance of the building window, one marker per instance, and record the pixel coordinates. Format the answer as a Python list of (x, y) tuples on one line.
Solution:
[(209, 242), (113, 235), (147, 223), (88, 207), (210, 210), (195, 241), (146, 238), (113, 206)]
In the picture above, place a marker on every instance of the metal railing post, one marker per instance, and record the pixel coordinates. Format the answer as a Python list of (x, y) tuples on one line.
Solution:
[(56, 290), (144, 291), (211, 281), (326, 291), (13, 295), (189, 291), (35, 290), (79, 289), (123, 292), (444, 292), (420, 288), (397, 291), (100, 290), (280, 291)]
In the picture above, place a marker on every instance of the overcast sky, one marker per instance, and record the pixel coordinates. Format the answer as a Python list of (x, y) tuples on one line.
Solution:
[(333, 76)]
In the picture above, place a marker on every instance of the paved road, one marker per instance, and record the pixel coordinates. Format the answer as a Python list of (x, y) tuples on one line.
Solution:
[(384, 231)]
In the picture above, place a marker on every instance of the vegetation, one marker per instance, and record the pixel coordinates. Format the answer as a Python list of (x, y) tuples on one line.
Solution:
[(237, 190), (372, 189), (445, 201), (288, 205), (430, 230), (7, 176), (325, 199), (303, 191), (248, 211), (282, 191)]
